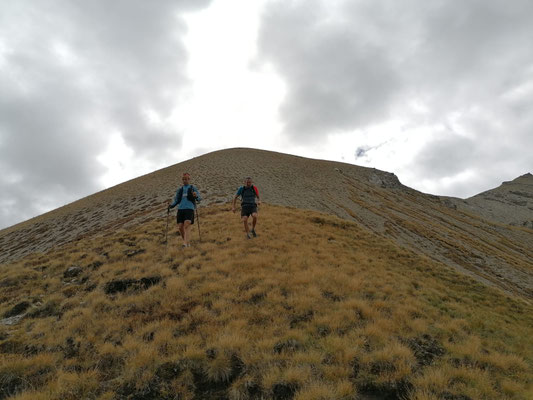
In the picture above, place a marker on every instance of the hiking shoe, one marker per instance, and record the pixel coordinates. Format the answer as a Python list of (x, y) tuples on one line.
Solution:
[(253, 233), (248, 236)]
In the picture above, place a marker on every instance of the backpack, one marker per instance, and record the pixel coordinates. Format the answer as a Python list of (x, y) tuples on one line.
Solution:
[(251, 187), (190, 196)]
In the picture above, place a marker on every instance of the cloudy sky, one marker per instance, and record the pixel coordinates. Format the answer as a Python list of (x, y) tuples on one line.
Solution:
[(93, 93)]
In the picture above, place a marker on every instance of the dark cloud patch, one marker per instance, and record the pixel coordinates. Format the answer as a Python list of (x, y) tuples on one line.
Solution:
[(71, 74), (348, 65), (468, 165), (361, 151), (336, 79), (46, 152), (446, 156)]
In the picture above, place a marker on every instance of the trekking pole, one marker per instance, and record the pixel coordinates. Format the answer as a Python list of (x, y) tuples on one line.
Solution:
[(166, 229), (198, 219)]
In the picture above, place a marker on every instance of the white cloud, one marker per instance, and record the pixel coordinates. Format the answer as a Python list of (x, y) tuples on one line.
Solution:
[(231, 103)]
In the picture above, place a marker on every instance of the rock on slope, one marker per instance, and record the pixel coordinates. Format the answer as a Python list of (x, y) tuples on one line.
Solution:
[(459, 236)]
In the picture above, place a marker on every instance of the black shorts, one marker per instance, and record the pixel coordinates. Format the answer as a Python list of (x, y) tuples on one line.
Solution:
[(185, 215), (247, 210)]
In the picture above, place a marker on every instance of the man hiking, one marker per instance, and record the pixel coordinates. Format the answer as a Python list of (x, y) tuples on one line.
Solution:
[(248, 194), (186, 198)]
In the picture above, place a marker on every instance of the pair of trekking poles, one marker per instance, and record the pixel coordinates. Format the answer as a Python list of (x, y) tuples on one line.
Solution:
[(197, 220)]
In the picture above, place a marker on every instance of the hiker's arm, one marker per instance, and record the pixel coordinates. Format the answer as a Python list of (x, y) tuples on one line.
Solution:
[(239, 192), (257, 195), (175, 202)]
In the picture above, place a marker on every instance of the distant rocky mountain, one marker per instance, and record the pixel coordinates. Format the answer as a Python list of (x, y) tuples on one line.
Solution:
[(488, 236), (511, 203)]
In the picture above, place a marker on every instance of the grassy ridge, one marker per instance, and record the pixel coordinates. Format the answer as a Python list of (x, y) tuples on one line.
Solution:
[(315, 308)]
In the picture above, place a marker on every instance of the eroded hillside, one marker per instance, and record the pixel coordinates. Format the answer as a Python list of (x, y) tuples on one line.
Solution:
[(473, 242)]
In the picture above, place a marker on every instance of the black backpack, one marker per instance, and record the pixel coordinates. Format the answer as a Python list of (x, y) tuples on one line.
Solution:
[(245, 188), (190, 195)]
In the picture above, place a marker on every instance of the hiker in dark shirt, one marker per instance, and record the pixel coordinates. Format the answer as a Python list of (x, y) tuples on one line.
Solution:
[(185, 198), (248, 194)]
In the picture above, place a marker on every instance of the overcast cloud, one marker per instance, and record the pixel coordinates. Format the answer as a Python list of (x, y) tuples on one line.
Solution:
[(463, 70), (72, 74), (438, 92)]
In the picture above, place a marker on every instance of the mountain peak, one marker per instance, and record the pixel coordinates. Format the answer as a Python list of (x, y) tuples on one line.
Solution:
[(526, 179), (510, 203)]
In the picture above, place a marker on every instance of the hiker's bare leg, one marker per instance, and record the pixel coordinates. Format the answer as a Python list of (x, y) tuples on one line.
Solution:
[(182, 231), (186, 232), (254, 220), (244, 220)]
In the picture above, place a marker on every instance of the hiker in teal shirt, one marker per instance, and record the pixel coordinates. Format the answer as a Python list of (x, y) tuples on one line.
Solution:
[(186, 198)]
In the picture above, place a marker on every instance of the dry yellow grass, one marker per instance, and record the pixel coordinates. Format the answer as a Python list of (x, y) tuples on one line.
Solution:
[(314, 308)]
